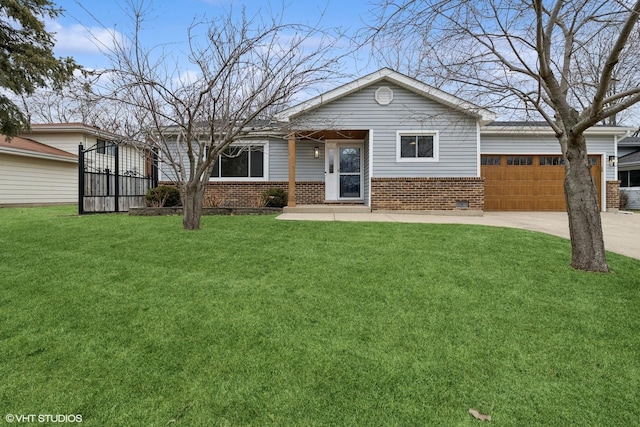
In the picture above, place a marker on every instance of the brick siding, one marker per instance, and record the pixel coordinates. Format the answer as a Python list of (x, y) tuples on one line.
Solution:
[(249, 194), (426, 193), (613, 195)]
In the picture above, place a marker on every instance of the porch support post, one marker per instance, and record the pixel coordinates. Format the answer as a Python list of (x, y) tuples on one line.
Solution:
[(292, 170)]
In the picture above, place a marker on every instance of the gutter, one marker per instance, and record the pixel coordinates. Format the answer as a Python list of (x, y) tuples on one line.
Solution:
[(33, 154)]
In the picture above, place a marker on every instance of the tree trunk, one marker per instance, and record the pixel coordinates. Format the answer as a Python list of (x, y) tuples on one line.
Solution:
[(192, 196), (585, 226)]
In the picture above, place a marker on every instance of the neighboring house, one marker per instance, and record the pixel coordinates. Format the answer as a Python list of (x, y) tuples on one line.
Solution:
[(390, 142), (629, 170), (32, 173), (41, 166)]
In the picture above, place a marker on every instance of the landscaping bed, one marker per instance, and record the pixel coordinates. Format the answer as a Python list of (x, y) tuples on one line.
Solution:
[(149, 211)]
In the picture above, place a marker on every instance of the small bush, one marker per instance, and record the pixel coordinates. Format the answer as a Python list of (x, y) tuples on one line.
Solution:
[(624, 199), (275, 198), (162, 196)]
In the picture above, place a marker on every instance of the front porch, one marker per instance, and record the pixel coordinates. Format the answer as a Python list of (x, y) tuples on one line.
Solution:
[(339, 159)]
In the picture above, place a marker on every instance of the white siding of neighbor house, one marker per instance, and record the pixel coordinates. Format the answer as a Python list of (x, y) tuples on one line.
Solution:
[(523, 143), (407, 111), (28, 180), (68, 142), (130, 158)]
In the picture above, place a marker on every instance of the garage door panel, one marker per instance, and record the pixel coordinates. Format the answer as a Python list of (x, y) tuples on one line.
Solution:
[(516, 204), (519, 173), (528, 183), (550, 189), (519, 189), (546, 173)]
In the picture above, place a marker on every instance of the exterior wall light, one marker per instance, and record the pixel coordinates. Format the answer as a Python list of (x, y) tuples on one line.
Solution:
[(613, 160), (316, 152)]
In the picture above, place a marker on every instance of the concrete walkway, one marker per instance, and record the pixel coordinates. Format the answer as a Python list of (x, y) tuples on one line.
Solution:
[(621, 230)]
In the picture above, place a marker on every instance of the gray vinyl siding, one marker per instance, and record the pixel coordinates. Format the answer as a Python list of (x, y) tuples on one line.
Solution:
[(308, 168), (545, 144), (407, 111), (167, 172), (278, 160)]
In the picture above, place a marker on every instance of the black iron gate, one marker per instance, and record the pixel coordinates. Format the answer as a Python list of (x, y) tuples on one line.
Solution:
[(113, 178)]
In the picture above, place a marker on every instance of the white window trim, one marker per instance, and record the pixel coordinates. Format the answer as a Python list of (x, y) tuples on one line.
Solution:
[(436, 146), (265, 164)]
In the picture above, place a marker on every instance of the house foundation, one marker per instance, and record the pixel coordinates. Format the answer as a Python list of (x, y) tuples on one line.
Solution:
[(427, 194)]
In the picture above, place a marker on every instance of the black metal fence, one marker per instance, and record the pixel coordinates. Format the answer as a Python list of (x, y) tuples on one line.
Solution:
[(113, 178)]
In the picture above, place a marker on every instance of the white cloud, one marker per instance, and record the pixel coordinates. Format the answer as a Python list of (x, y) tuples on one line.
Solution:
[(79, 39)]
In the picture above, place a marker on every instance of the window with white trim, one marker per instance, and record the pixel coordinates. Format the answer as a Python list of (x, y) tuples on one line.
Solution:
[(417, 146), (241, 161)]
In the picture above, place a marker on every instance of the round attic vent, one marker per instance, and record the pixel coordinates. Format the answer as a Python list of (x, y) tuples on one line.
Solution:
[(384, 95)]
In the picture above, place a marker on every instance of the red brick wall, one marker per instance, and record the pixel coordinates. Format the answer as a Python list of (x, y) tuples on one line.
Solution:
[(613, 195), (386, 193), (249, 194), (310, 193), (426, 193)]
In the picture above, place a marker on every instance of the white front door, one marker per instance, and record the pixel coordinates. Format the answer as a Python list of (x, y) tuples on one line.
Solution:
[(343, 171)]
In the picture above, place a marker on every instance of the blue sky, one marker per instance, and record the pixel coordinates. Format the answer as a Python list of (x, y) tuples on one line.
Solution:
[(168, 20)]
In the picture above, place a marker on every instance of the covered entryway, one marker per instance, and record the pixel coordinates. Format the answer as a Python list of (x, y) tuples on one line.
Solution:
[(529, 182), (344, 155)]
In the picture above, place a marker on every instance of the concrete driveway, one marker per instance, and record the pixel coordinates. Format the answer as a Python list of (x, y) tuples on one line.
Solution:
[(621, 230)]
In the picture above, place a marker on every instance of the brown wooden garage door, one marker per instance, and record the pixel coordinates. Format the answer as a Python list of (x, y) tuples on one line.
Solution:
[(528, 183)]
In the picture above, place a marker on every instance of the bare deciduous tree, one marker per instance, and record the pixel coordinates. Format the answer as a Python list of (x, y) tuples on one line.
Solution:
[(565, 61), (192, 107), (76, 102)]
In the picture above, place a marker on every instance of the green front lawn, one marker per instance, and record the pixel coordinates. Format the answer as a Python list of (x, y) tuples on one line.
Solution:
[(131, 321)]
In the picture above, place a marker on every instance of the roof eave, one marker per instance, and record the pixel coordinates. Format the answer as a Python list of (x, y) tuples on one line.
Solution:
[(34, 154), (623, 166), (72, 127), (544, 130)]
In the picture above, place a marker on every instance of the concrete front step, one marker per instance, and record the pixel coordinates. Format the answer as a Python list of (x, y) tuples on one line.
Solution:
[(327, 209)]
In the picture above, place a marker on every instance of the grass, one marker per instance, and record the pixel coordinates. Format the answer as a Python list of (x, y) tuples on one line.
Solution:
[(131, 321)]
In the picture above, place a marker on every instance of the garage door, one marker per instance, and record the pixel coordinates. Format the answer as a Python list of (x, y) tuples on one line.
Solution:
[(528, 183)]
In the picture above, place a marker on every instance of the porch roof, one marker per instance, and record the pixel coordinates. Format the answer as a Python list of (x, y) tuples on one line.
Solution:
[(329, 134)]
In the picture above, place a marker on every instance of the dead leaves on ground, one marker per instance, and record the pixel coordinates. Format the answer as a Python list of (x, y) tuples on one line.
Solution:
[(479, 416)]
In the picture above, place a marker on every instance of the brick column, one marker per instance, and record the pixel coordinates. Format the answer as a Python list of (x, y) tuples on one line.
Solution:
[(613, 196)]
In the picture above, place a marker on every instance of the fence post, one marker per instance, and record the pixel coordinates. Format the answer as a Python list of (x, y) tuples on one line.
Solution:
[(80, 179), (117, 178), (107, 173), (154, 168)]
